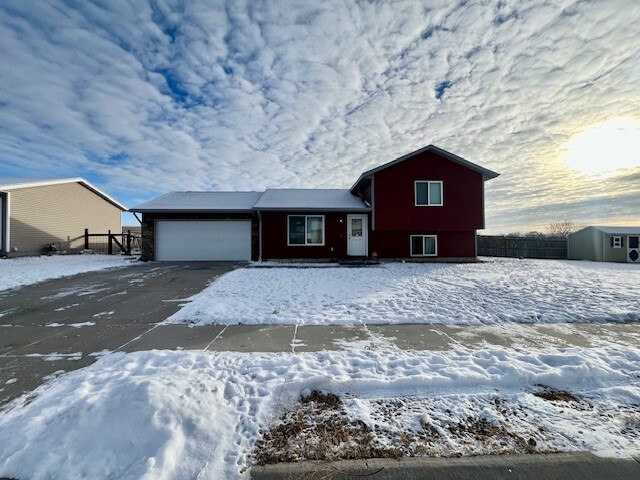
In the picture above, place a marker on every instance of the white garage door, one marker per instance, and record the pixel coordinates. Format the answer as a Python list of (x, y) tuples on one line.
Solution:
[(203, 240)]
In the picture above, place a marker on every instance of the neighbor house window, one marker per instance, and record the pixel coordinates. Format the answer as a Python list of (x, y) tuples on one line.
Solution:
[(428, 193), (424, 245), (306, 230), (616, 242)]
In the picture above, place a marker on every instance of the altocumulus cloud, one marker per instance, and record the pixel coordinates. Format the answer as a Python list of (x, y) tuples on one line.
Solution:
[(144, 98)]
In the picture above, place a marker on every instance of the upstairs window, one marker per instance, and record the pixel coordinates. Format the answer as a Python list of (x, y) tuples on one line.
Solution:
[(428, 193), (305, 230), (424, 245)]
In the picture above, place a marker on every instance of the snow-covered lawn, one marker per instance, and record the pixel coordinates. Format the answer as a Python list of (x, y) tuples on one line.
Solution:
[(494, 291), (17, 272), (162, 414)]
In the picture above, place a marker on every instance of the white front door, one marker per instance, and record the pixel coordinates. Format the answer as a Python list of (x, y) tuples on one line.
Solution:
[(357, 235)]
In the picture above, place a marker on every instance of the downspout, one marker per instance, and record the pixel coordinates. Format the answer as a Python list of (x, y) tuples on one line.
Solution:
[(136, 216)]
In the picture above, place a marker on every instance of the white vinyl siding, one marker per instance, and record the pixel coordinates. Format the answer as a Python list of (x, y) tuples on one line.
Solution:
[(428, 193), (424, 245), (305, 230), (203, 240)]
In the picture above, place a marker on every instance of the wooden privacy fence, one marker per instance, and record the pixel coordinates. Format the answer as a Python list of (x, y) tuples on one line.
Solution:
[(108, 242), (525, 247)]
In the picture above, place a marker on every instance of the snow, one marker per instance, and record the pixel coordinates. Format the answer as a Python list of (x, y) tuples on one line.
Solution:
[(198, 414), (207, 201), (162, 414), (18, 272), (310, 199), (491, 292)]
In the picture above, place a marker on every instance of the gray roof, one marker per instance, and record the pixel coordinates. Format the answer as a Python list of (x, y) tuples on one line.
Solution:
[(8, 184), (619, 230), (486, 173), (201, 202), (310, 199)]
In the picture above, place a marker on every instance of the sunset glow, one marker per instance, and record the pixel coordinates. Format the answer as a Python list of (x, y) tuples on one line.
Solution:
[(605, 148)]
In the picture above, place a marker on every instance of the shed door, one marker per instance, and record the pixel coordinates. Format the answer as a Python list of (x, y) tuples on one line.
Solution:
[(208, 240)]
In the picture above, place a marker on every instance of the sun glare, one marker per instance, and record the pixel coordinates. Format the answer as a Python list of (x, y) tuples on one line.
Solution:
[(605, 148)]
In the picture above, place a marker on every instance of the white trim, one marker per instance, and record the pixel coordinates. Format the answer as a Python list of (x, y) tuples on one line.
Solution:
[(435, 237), (7, 223), (2, 247), (45, 183), (616, 239), (365, 233), (305, 244), (429, 183), (630, 249)]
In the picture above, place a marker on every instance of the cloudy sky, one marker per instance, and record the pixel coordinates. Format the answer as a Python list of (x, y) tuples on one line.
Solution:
[(144, 97)]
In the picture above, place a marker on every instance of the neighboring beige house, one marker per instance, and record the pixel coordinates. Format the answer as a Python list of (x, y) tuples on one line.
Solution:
[(605, 244), (35, 213)]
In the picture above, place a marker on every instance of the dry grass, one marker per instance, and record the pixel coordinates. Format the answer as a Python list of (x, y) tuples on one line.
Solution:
[(502, 441), (551, 394), (319, 430)]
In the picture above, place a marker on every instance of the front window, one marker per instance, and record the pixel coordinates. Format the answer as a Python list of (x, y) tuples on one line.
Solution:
[(424, 245), (306, 230), (428, 193), (616, 242)]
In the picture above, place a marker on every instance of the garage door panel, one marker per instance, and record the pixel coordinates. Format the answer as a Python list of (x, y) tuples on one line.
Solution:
[(203, 240)]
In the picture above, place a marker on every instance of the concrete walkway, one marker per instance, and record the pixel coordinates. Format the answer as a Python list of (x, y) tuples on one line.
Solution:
[(30, 353), (565, 466)]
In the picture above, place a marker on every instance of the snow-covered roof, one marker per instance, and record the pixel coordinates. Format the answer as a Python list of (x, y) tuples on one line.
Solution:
[(619, 230), (310, 199), (201, 202), (486, 173), (8, 184)]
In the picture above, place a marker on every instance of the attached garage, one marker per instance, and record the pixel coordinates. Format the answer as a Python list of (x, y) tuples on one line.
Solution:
[(200, 226), (207, 240)]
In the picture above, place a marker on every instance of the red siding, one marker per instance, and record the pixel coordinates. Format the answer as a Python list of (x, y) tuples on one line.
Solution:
[(451, 243), (274, 237), (394, 192)]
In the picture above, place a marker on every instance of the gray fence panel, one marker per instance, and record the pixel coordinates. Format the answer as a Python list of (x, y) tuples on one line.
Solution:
[(525, 247)]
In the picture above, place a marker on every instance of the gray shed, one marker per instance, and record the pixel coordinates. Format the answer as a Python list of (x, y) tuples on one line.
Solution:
[(605, 244)]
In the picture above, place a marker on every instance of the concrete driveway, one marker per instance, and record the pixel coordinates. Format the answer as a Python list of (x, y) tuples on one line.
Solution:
[(68, 323)]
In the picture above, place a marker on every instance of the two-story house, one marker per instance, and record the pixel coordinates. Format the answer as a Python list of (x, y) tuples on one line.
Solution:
[(426, 205)]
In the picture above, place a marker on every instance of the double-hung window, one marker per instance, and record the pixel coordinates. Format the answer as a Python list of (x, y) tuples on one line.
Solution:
[(429, 193), (305, 230), (424, 245)]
